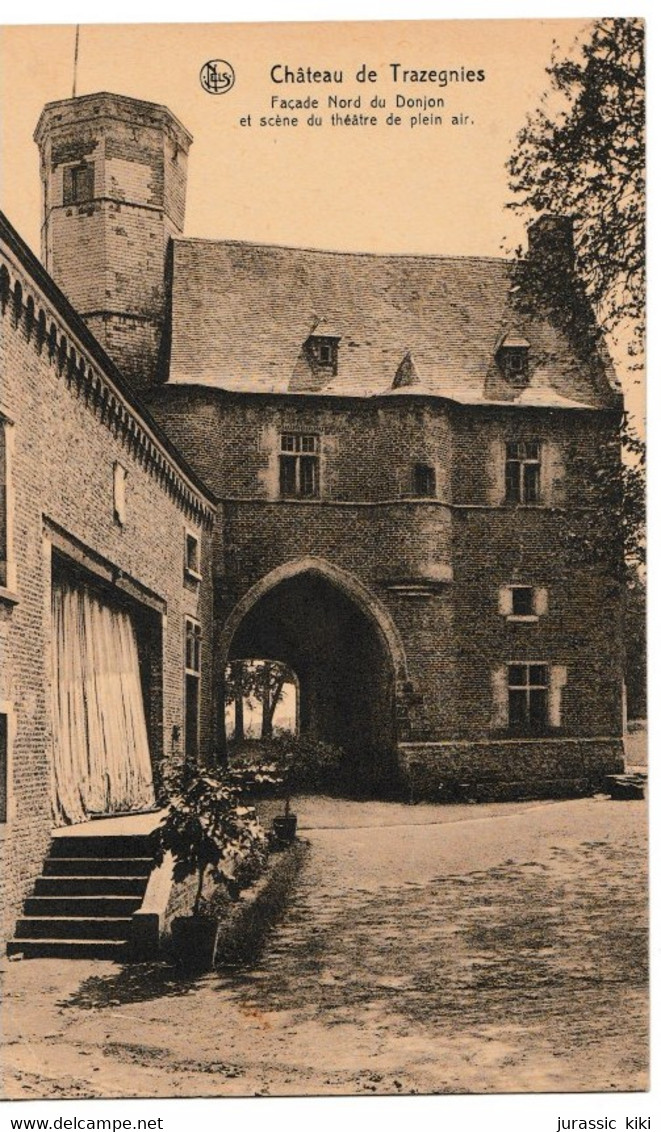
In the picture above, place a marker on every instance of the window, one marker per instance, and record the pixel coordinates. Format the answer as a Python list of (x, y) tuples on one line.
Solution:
[(299, 465), (424, 480), (7, 563), (528, 696), (522, 601), (78, 183), (193, 668), (322, 351), (522, 472), (192, 556), (119, 493), (514, 363)]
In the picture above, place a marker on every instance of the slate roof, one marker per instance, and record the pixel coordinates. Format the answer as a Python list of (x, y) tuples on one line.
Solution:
[(242, 312)]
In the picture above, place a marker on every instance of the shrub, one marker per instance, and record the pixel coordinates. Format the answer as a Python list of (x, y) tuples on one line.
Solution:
[(296, 763), (209, 832)]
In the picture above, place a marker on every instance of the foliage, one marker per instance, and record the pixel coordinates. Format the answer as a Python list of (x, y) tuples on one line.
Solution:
[(582, 154), (295, 762), (209, 832), (257, 681), (635, 645)]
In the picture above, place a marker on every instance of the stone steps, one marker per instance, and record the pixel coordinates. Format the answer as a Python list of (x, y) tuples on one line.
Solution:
[(83, 903)]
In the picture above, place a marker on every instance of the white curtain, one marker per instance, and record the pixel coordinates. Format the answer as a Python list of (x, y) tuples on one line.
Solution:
[(100, 746)]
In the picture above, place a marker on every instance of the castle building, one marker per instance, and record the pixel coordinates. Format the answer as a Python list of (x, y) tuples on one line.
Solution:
[(381, 470)]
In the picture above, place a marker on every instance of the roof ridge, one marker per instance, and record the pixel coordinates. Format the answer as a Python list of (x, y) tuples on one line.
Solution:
[(337, 252)]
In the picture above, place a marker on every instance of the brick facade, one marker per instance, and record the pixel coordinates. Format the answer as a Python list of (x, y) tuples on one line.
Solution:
[(389, 585), (70, 425), (436, 566)]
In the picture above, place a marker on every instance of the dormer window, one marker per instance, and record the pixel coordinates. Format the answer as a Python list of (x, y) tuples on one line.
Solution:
[(322, 350), (512, 356)]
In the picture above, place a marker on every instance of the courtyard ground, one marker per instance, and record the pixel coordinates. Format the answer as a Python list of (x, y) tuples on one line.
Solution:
[(426, 949)]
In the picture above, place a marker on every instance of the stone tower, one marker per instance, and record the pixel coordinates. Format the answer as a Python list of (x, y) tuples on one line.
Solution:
[(113, 173)]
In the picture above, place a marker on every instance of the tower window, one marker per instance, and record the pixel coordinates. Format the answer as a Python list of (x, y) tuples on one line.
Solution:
[(79, 183), (523, 472), (424, 481), (299, 465)]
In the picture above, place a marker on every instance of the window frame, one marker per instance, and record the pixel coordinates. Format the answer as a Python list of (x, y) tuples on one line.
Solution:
[(518, 483), (192, 672), (75, 191), (192, 572), (8, 577), (296, 461), (323, 351), (529, 725), (420, 472)]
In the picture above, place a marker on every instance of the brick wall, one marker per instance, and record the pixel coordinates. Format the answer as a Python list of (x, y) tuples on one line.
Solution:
[(67, 440), (465, 546), (108, 254)]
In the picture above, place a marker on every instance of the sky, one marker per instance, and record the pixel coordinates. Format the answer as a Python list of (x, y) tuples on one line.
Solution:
[(422, 189), (406, 188)]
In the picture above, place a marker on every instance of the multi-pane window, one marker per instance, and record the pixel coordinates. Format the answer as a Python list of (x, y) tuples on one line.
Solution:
[(424, 480), (193, 667), (299, 465), (523, 472), (528, 696), (78, 183)]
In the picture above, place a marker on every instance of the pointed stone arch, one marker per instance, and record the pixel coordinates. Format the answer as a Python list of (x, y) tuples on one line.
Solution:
[(371, 606)]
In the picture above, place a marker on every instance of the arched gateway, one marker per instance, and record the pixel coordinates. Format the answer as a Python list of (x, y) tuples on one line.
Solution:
[(346, 652)]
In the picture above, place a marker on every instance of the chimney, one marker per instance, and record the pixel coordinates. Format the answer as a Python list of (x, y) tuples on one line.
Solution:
[(113, 173), (551, 243)]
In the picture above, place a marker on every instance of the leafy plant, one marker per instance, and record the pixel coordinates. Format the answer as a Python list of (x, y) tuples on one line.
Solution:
[(209, 832), (295, 762)]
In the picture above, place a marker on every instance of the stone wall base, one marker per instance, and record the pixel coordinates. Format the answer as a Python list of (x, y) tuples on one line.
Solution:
[(505, 770)]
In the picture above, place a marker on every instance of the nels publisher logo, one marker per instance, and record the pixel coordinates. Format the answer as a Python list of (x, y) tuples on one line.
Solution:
[(217, 76)]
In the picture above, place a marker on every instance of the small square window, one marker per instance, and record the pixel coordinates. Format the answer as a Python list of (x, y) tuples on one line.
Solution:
[(192, 555)]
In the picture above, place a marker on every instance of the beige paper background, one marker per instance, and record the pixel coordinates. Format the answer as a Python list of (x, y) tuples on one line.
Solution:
[(438, 190)]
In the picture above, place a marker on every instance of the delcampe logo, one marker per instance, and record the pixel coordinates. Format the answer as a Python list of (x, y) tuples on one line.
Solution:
[(217, 76)]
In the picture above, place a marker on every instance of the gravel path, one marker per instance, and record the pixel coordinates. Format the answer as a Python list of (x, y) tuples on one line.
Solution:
[(426, 949)]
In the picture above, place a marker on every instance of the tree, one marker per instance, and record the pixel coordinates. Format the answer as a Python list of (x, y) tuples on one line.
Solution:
[(255, 681), (582, 154)]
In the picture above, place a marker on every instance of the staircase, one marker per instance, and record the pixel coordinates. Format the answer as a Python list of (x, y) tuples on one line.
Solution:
[(83, 902)]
